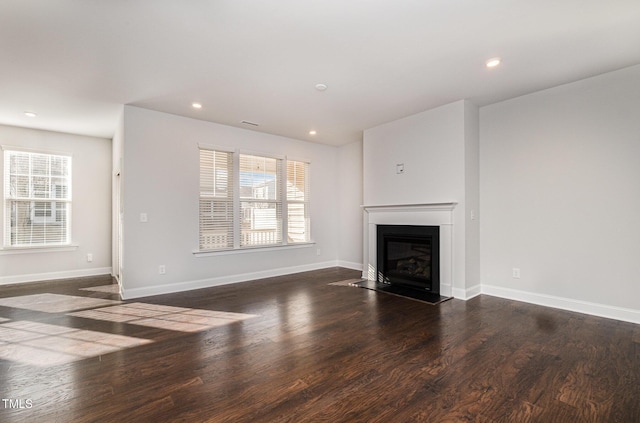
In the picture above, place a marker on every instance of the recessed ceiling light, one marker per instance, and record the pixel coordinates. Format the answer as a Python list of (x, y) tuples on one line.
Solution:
[(196, 105), (492, 63), (321, 87), (312, 132), (30, 114)]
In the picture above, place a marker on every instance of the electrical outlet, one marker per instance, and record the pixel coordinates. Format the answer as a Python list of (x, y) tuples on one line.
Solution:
[(89, 257), (318, 252), (143, 218), (515, 272), (162, 269)]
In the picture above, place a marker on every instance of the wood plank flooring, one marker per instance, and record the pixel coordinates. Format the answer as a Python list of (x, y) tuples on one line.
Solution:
[(296, 349)]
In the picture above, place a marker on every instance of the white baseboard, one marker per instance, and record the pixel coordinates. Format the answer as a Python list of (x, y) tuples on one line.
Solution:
[(130, 293), (349, 265), (66, 274), (600, 310), (466, 294)]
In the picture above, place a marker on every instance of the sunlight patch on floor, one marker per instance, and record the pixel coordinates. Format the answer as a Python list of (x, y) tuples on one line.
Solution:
[(54, 303), (43, 345), (164, 317), (109, 289), (347, 282)]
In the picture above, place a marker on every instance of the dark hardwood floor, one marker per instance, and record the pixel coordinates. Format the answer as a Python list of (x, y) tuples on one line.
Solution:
[(296, 349)]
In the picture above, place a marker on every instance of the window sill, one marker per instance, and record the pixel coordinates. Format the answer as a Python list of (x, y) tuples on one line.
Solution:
[(253, 249), (39, 249)]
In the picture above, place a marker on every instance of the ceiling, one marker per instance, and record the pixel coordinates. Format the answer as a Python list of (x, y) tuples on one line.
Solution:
[(75, 63)]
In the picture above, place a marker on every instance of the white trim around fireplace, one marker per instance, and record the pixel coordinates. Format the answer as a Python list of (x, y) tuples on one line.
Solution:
[(430, 214)]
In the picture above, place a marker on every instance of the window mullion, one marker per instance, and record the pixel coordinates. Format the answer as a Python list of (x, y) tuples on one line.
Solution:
[(236, 199), (284, 204), (30, 170)]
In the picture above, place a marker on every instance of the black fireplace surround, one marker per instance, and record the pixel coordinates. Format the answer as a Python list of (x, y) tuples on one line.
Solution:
[(409, 256)]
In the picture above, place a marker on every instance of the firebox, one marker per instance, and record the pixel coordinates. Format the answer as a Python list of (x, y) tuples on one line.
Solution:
[(409, 256)]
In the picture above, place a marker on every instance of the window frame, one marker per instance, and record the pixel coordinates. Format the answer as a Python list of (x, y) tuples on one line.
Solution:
[(305, 202), (281, 201), (243, 159), (218, 234), (52, 200)]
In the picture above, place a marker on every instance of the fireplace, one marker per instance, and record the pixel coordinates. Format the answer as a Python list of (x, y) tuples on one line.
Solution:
[(409, 256)]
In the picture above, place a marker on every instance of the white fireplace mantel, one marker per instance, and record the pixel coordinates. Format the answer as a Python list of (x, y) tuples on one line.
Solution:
[(413, 207), (431, 214)]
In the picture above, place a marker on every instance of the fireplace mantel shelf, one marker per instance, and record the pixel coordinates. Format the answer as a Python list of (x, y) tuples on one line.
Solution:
[(415, 207)]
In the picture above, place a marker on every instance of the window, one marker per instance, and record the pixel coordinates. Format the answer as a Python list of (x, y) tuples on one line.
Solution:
[(260, 201), (249, 200), (216, 200), (37, 199), (297, 201)]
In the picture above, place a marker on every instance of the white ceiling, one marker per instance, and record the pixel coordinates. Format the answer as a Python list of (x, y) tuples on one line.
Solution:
[(75, 63)]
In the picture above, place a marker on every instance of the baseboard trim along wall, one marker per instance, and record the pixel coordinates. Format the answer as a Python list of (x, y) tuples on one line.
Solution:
[(67, 274), (466, 294), (130, 293), (350, 265), (600, 310)]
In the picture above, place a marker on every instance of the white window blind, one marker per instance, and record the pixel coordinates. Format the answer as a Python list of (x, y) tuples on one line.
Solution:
[(216, 200), (260, 201), (297, 201), (37, 199), (250, 200)]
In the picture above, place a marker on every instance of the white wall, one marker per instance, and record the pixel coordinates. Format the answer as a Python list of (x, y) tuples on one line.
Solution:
[(160, 178), (560, 173), (432, 146), (116, 199), (472, 198), (350, 213), (91, 209)]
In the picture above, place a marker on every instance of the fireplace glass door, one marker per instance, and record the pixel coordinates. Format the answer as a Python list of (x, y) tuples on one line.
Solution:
[(409, 256)]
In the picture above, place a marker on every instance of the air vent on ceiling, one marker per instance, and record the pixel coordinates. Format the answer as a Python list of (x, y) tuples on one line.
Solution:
[(246, 122)]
